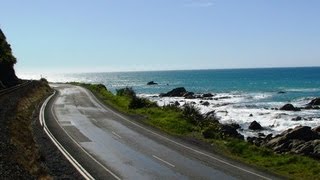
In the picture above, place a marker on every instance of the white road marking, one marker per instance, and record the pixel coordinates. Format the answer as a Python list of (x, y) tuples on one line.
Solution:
[(166, 162), (116, 134), (74, 162), (177, 143), (89, 155)]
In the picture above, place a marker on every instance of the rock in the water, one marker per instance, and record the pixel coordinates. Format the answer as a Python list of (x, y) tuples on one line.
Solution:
[(250, 115), (189, 95), (176, 103), (205, 103), (255, 126), (315, 102), (207, 95), (281, 92), (298, 118), (152, 83), (289, 107), (177, 92)]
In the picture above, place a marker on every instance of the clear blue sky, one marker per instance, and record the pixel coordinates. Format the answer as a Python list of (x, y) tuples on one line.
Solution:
[(119, 35)]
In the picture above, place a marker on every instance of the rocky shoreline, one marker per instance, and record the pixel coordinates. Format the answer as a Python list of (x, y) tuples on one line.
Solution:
[(299, 140)]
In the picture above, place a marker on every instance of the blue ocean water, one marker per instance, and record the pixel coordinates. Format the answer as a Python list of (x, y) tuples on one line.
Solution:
[(296, 82), (241, 95)]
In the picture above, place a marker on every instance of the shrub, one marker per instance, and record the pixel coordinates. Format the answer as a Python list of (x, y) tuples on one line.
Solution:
[(137, 103), (127, 91), (211, 133), (193, 115)]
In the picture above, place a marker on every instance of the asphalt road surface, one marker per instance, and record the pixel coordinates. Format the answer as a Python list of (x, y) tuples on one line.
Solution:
[(110, 145)]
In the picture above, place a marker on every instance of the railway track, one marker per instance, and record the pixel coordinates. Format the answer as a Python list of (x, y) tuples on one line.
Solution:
[(14, 88)]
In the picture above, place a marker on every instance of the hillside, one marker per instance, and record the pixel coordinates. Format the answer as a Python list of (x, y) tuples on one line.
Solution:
[(7, 60)]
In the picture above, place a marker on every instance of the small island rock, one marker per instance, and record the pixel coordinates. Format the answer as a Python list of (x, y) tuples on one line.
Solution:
[(152, 83)]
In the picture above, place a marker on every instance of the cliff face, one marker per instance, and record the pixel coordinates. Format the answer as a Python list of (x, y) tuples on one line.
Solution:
[(7, 60)]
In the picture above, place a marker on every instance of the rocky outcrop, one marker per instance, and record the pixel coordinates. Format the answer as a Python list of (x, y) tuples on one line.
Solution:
[(315, 102), (255, 126), (300, 140), (189, 95), (177, 92), (289, 107), (152, 83), (207, 95), (230, 130), (7, 60)]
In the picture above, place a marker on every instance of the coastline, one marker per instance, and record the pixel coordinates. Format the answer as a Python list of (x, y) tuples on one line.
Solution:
[(286, 164)]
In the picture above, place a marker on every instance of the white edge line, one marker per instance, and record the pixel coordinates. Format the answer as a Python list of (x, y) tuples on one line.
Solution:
[(182, 145), (88, 154), (163, 161), (116, 134), (75, 163)]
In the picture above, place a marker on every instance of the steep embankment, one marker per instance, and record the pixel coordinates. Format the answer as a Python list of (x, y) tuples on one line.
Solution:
[(25, 150), (7, 60)]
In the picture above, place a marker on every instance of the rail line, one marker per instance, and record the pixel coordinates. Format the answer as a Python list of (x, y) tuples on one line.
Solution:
[(14, 88)]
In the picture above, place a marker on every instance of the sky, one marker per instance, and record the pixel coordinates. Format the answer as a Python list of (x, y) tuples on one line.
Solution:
[(138, 35)]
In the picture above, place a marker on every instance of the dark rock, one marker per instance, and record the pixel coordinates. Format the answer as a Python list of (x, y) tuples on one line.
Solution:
[(281, 92), (255, 126), (268, 137), (207, 95), (230, 131), (177, 92), (281, 142), (298, 118), (235, 126), (316, 129), (205, 103), (152, 83), (303, 133), (250, 115), (176, 103), (315, 102), (289, 107), (189, 95), (261, 135)]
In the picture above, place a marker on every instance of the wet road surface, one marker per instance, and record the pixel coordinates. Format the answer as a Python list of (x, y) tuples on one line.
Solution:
[(111, 145)]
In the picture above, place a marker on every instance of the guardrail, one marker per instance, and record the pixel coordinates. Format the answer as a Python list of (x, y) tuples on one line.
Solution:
[(13, 88)]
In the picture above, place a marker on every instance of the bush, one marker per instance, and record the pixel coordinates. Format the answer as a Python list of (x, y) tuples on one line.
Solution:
[(192, 114), (127, 91), (211, 133), (137, 103)]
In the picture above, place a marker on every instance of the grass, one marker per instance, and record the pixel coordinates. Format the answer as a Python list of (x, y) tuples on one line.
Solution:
[(175, 121)]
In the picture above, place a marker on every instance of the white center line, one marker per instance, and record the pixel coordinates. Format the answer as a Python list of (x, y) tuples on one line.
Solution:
[(164, 161), (116, 134)]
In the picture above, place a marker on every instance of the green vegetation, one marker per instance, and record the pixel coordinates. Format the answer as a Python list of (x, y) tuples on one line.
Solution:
[(7, 60), (5, 50), (189, 122)]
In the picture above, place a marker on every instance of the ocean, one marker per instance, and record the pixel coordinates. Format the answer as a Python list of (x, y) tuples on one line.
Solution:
[(240, 95)]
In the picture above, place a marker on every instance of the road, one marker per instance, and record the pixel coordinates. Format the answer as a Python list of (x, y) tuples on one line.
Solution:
[(109, 145)]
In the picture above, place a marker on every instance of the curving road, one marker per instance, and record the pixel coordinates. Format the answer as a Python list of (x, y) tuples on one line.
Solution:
[(109, 145)]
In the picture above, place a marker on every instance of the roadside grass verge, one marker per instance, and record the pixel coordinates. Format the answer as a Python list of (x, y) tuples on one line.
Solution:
[(188, 123)]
